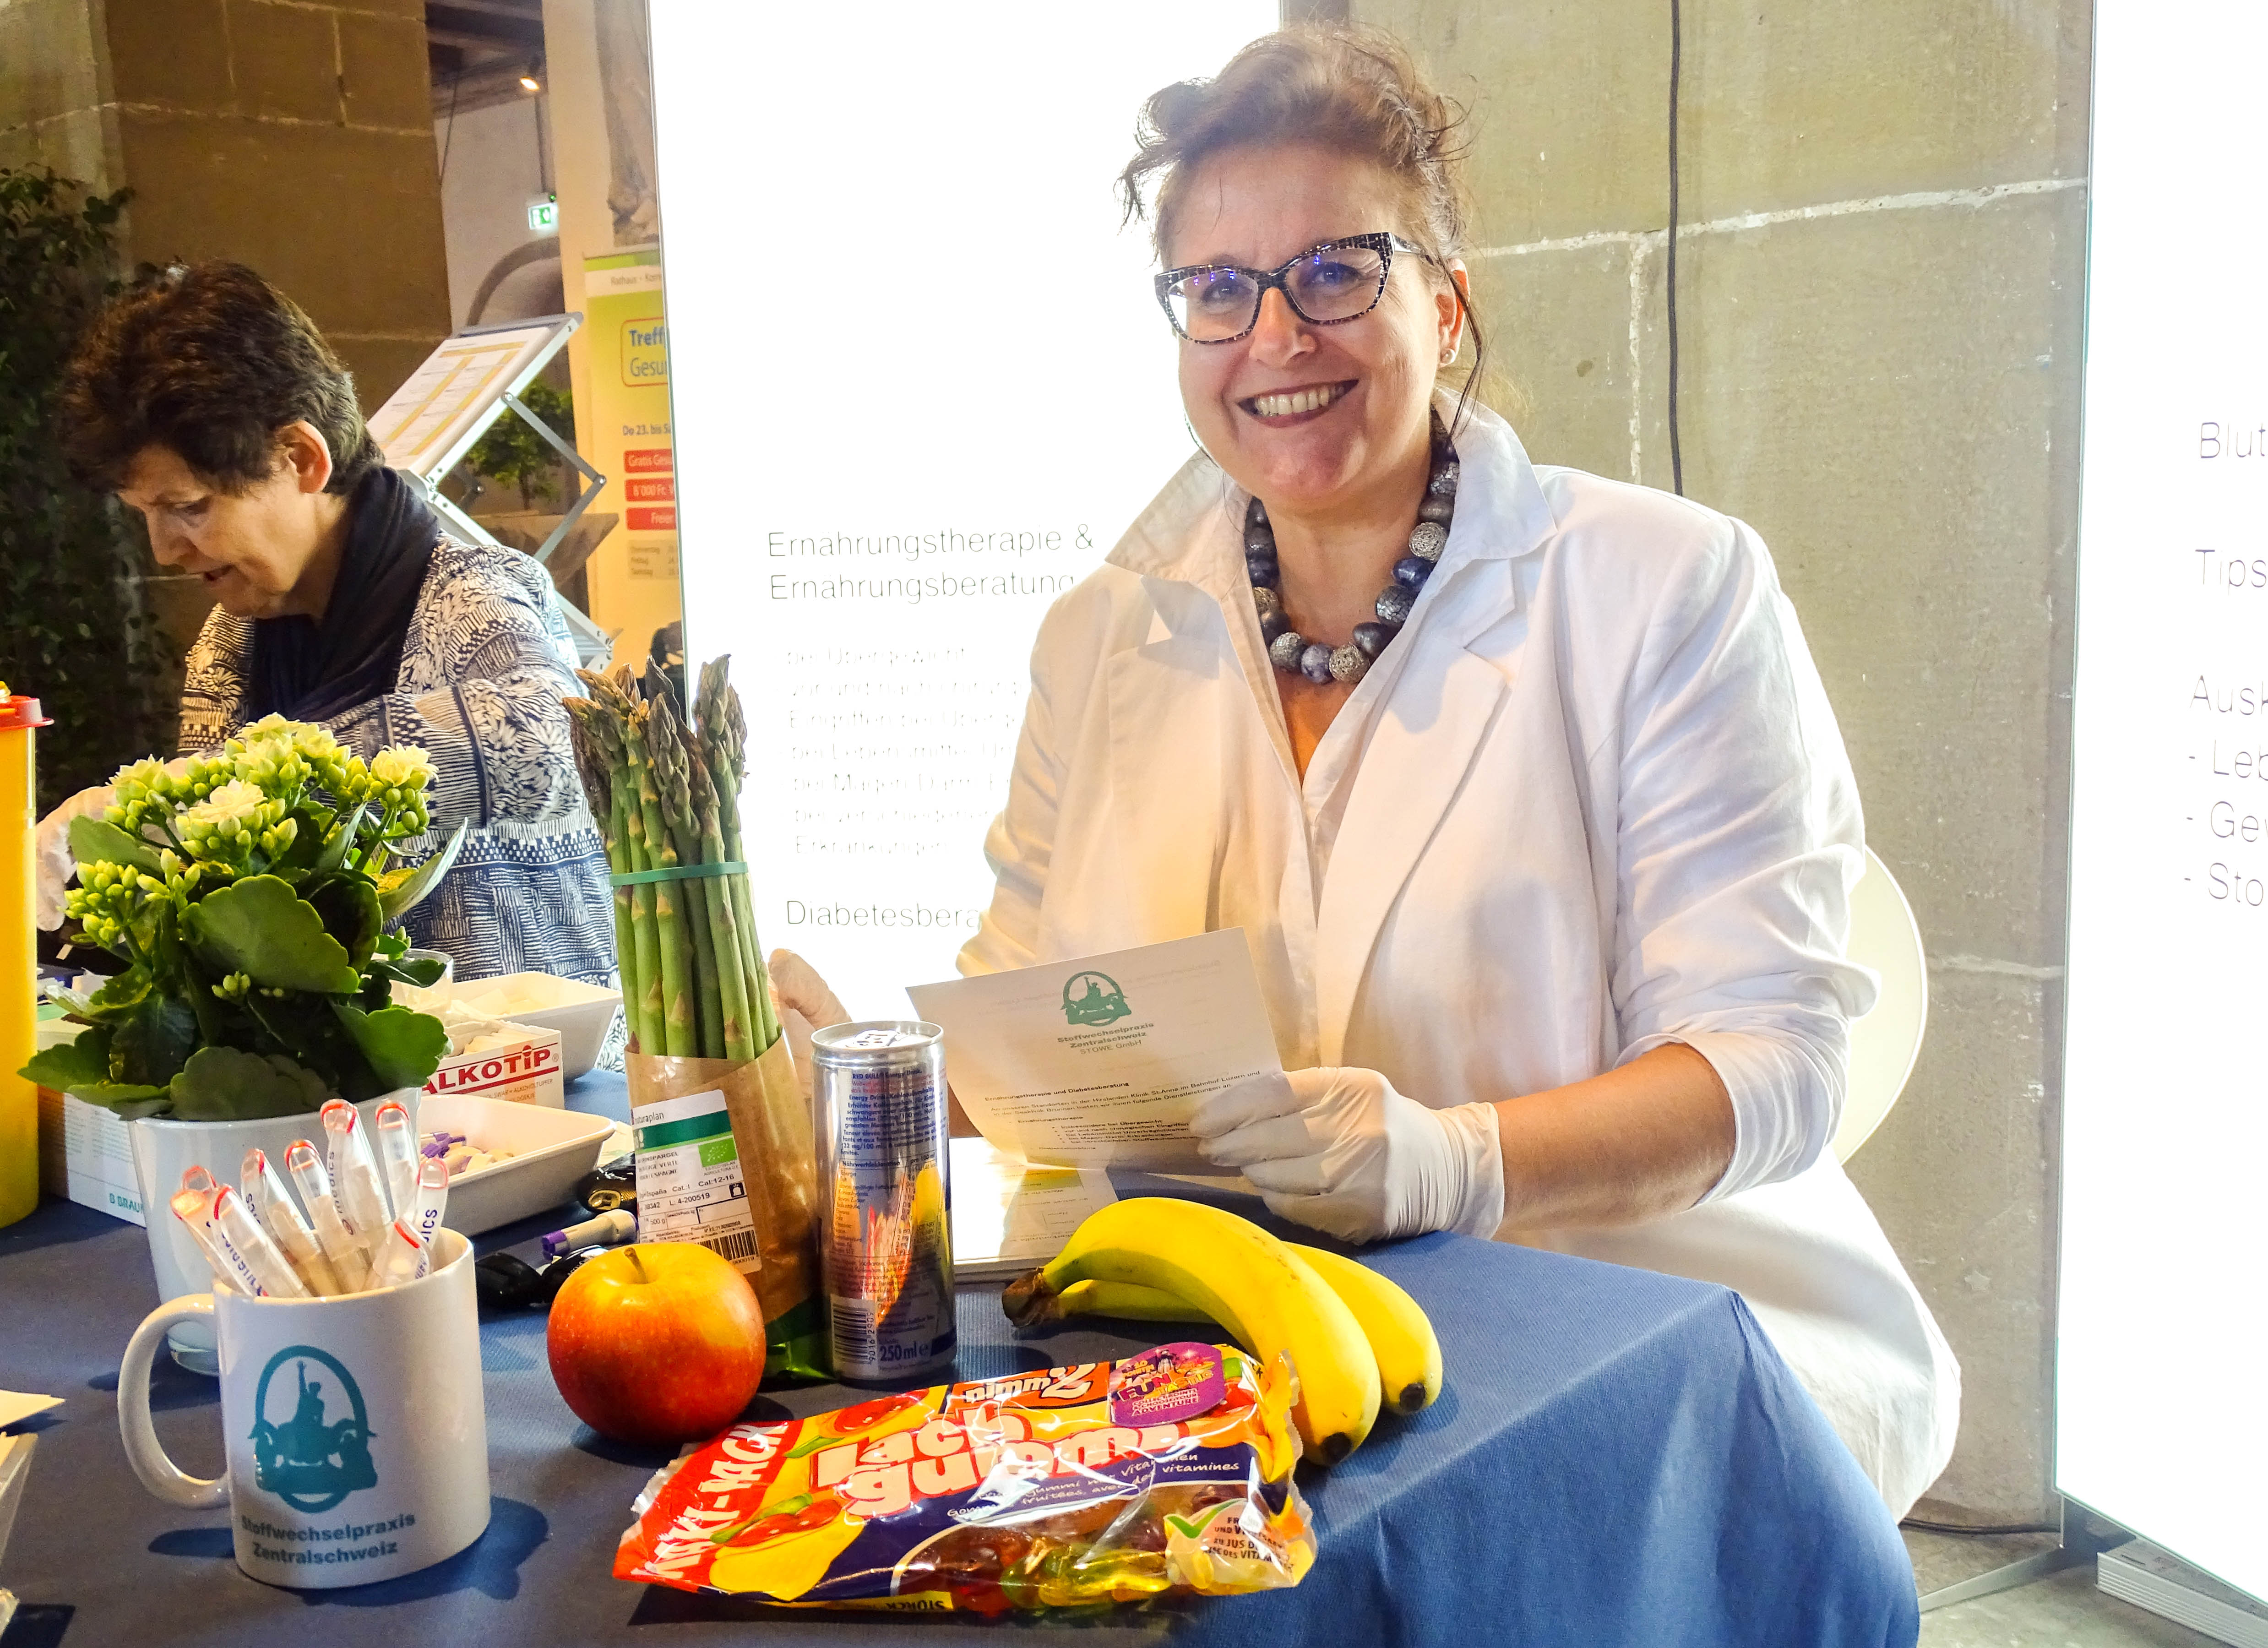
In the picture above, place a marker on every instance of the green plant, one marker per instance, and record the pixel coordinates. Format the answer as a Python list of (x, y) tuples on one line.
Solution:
[(70, 606), (249, 894), (515, 454)]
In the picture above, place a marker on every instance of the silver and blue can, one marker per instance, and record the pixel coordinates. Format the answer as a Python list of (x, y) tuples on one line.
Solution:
[(885, 1199)]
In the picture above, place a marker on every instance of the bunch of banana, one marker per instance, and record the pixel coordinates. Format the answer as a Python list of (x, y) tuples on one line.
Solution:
[(1352, 1335)]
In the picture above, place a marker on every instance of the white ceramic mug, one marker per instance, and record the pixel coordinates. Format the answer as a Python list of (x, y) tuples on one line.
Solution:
[(163, 1150), (357, 1443)]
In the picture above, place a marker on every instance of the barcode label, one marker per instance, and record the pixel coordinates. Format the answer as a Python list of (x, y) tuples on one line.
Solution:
[(740, 1244)]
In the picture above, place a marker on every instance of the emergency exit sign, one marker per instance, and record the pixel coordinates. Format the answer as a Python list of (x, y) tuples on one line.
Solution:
[(544, 214)]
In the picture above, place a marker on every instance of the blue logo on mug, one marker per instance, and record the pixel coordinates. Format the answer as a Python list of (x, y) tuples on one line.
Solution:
[(316, 1454)]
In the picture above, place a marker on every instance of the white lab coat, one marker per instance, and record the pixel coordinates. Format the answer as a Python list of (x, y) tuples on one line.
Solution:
[(1591, 801)]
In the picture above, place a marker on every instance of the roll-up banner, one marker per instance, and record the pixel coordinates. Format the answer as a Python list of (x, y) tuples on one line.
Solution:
[(2161, 1340), (921, 386), (634, 580)]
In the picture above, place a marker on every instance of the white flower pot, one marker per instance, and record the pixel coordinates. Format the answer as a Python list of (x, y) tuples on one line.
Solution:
[(165, 1150)]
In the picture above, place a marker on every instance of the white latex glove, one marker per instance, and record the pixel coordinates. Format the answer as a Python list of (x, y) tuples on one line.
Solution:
[(1340, 1150), (806, 1004), (51, 849)]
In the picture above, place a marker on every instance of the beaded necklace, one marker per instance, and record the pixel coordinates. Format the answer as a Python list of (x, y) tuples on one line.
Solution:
[(1293, 652)]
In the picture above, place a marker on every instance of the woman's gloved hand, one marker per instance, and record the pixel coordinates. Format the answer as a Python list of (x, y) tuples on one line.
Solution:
[(51, 848), (806, 1004), (1341, 1150)]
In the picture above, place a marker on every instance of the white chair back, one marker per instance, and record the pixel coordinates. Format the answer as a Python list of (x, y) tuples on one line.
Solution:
[(1885, 936)]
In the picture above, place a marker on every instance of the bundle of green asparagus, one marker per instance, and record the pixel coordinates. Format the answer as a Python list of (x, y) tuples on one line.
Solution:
[(666, 795)]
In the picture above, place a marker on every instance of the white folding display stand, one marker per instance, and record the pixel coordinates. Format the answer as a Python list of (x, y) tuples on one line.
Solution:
[(430, 424), (880, 488), (2159, 1334)]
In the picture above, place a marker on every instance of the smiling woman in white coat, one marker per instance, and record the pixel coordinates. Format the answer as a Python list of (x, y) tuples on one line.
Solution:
[(1521, 782)]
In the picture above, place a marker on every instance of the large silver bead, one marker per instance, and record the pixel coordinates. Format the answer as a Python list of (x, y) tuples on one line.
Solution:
[(1348, 664), (1395, 602), (1428, 540), (1444, 482), (1437, 509), (1315, 664), (1266, 600), (1285, 651)]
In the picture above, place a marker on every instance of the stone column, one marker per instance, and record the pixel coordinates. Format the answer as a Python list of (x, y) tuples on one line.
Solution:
[(1880, 266)]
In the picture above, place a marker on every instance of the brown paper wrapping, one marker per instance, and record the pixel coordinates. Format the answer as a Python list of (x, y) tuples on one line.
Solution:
[(771, 1131)]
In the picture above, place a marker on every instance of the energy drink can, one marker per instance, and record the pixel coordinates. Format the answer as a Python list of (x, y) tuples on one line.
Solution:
[(885, 1202)]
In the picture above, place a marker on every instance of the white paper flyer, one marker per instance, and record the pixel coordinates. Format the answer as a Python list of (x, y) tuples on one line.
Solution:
[(1099, 1062)]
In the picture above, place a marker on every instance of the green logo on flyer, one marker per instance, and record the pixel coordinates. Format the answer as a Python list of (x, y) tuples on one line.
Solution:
[(307, 1458), (1093, 998)]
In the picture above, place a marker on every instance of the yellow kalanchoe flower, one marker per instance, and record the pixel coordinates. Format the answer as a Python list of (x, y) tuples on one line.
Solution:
[(236, 802), (402, 767)]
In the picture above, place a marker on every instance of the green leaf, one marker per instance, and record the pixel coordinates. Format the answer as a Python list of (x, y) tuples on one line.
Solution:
[(98, 840), (350, 909), (127, 1102), (227, 1085), (82, 1069), (303, 1026), (403, 1046), (397, 898), (120, 997), (76, 1063), (335, 849), (261, 927), (150, 1047), (424, 973)]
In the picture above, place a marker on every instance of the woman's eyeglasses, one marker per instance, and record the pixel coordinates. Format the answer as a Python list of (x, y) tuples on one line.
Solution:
[(1339, 279)]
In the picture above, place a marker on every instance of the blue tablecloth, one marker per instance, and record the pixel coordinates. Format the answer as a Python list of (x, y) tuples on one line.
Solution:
[(1617, 1457)]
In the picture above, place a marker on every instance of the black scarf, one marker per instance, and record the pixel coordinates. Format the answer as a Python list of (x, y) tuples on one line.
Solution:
[(312, 672)]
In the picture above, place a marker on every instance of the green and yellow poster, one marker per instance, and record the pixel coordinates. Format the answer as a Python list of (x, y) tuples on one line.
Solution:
[(633, 587)]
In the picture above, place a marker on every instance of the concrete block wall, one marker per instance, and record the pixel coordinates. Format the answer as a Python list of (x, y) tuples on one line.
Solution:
[(295, 136), (1880, 268)]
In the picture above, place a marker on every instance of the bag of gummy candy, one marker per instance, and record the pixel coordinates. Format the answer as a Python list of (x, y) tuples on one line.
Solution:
[(1108, 1481)]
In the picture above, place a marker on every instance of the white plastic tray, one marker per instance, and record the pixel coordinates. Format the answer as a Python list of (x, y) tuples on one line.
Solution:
[(579, 1012), (552, 1149)]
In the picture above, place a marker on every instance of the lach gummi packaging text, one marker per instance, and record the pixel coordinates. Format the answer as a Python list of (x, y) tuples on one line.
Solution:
[(1166, 1473)]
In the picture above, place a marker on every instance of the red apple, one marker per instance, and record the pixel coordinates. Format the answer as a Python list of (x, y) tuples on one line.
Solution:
[(658, 1342)]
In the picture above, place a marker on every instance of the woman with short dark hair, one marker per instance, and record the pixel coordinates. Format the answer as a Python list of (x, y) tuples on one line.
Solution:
[(208, 401)]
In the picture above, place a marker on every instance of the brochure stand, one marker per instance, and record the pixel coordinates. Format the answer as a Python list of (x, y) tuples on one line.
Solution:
[(430, 424), (2078, 1543)]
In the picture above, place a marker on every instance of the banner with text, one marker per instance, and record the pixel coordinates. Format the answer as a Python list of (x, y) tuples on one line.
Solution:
[(2158, 1331), (921, 386)]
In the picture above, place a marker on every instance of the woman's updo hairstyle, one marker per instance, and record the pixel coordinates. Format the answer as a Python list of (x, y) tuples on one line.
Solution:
[(1354, 91)]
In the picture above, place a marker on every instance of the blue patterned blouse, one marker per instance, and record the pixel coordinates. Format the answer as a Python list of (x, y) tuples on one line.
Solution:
[(483, 667)]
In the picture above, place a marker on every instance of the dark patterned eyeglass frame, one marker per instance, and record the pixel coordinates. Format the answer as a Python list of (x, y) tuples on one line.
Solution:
[(1385, 244)]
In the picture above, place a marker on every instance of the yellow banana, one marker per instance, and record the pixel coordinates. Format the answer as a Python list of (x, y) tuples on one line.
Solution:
[(1268, 1297), (1129, 1301), (1401, 1336)]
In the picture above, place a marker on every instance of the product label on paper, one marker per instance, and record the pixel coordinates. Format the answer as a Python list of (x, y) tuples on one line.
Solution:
[(85, 1155), (690, 1187), (527, 1071)]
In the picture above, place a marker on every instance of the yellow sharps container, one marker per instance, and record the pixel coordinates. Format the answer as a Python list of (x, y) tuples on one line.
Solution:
[(19, 1102)]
